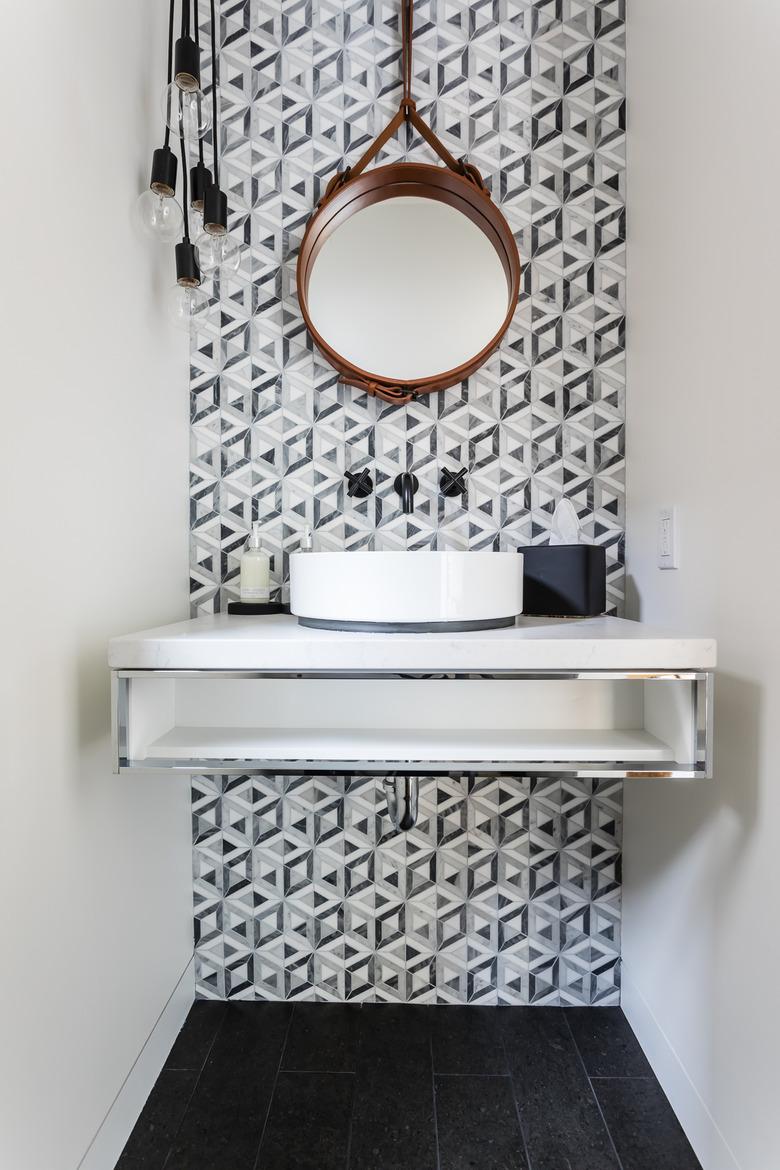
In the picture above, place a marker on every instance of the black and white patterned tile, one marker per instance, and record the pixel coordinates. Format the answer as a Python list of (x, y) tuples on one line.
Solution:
[(533, 92), (507, 890)]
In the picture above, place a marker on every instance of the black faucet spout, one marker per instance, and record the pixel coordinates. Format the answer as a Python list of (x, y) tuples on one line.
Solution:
[(406, 485)]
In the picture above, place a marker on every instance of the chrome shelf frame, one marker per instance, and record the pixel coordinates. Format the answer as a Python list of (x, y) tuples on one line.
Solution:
[(698, 768)]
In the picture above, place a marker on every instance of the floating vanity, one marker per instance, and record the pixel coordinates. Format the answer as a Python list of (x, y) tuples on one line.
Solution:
[(587, 697)]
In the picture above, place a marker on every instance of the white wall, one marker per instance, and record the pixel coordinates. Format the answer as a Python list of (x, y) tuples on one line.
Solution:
[(701, 941), (95, 915)]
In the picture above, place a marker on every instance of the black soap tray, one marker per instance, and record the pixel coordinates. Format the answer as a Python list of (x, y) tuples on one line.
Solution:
[(257, 609)]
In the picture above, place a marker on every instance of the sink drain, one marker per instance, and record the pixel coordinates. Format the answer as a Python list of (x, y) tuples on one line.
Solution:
[(402, 795)]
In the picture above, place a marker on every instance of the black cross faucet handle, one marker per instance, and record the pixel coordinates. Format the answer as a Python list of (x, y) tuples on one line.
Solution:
[(453, 483), (360, 483)]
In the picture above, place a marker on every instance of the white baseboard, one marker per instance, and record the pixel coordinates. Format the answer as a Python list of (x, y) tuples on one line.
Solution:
[(116, 1127), (709, 1144)]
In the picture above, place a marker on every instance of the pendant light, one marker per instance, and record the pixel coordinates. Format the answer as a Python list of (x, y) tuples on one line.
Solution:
[(200, 175), (184, 104), (188, 303), (200, 179), (156, 212), (216, 247)]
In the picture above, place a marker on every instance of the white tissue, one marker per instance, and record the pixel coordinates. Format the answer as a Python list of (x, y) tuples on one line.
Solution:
[(565, 526)]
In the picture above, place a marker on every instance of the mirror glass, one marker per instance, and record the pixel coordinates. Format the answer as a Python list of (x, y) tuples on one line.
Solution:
[(407, 288)]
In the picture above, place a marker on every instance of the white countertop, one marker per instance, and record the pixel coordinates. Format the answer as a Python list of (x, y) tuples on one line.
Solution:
[(228, 642)]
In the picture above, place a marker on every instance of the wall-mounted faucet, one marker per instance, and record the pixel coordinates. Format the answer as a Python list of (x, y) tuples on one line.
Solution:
[(406, 485)]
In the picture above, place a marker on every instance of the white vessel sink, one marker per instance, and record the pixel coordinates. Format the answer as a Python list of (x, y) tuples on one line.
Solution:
[(406, 590)]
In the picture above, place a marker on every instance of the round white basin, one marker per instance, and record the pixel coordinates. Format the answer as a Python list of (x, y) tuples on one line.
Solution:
[(406, 590)]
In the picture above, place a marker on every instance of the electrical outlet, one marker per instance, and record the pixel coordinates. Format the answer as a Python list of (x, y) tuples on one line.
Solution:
[(668, 552)]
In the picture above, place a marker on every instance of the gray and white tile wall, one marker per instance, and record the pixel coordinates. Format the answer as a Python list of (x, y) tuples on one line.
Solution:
[(506, 891), (510, 893)]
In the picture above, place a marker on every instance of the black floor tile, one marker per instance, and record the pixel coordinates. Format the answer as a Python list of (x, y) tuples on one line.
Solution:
[(606, 1043), (396, 1035), (477, 1124), (561, 1121), (393, 1124), (646, 1133), (194, 1041), (224, 1121), (231, 1085), (467, 1040), (149, 1143), (323, 1037), (308, 1126)]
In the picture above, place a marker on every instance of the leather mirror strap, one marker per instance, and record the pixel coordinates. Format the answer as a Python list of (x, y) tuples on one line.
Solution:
[(407, 22), (392, 394), (407, 112)]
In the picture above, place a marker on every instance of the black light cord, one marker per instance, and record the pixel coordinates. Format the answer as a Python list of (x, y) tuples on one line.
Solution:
[(185, 28), (170, 69), (214, 85), (184, 183), (197, 42)]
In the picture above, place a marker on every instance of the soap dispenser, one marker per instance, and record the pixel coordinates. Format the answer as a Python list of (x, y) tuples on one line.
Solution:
[(255, 578)]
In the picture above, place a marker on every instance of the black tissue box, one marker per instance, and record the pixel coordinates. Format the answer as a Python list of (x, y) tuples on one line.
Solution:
[(564, 580)]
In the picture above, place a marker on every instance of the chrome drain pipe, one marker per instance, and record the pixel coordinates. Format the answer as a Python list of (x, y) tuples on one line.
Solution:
[(402, 795)]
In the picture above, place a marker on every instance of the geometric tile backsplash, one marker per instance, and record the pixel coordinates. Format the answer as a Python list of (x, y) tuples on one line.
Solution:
[(510, 893), (507, 890)]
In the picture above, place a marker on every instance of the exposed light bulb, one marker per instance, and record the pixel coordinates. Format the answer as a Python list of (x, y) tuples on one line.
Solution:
[(186, 112), (196, 222), (187, 306), (158, 217), (223, 252)]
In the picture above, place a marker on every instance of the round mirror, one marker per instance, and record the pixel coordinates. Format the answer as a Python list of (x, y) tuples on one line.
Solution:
[(408, 288), (408, 277)]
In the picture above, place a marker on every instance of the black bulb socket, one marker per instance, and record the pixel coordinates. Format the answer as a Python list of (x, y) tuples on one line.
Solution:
[(163, 180), (187, 268), (186, 65), (215, 211), (200, 179)]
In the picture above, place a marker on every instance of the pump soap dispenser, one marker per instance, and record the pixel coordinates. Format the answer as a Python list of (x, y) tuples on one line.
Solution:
[(255, 577)]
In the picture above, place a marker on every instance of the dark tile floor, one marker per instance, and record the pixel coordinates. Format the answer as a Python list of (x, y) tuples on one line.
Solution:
[(276, 1086)]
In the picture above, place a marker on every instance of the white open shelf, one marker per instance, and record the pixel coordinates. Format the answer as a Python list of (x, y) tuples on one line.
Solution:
[(384, 746), (589, 723)]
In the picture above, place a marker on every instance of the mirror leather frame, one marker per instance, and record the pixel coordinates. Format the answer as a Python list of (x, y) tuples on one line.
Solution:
[(458, 184), (396, 181)]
